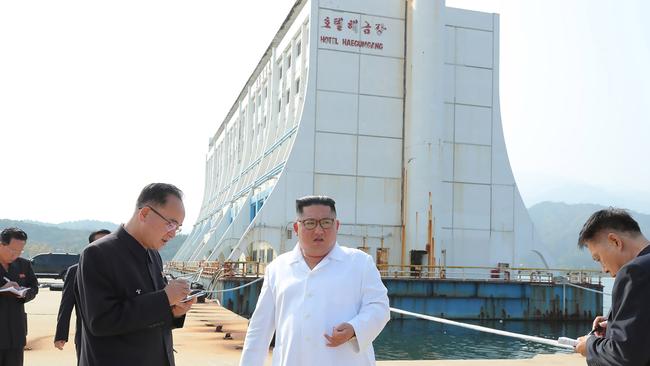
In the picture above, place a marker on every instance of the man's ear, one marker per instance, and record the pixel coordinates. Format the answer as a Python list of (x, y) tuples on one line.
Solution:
[(615, 240), (142, 213), (295, 227)]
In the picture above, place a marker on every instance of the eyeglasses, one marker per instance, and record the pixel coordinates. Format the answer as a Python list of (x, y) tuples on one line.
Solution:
[(310, 224), (171, 225)]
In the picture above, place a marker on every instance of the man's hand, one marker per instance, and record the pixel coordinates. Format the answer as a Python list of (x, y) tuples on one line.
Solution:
[(340, 334), (581, 347), (59, 344), (599, 326), (176, 291), (182, 308), (11, 284)]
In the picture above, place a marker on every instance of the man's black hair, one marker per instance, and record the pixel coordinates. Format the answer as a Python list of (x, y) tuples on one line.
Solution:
[(157, 193), (91, 237), (303, 202), (607, 219), (12, 233)]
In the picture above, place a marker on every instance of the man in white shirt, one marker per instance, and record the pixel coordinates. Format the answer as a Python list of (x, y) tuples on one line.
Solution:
[(326, 303)]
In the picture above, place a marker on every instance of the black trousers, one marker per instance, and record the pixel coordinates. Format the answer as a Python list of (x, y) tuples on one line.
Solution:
[(11, 357)]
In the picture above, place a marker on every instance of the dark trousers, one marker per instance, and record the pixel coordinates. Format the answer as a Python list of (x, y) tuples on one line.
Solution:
[(11, 357)]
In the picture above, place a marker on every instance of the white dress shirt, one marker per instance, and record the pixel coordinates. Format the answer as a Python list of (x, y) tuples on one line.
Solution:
[(301, 305)]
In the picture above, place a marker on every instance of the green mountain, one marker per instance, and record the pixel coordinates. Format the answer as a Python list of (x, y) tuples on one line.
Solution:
[(71, 237), (559, 224)]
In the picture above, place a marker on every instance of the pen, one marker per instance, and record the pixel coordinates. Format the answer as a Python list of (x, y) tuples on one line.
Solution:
[(598, 328), (6, 279)]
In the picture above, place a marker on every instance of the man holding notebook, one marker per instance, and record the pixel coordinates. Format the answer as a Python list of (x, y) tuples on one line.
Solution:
[(15, 273)]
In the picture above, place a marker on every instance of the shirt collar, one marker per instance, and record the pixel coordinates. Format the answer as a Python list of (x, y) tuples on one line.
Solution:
[(336, 253), (645, 251)]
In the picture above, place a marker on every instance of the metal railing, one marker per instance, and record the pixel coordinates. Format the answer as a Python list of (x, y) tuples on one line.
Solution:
[(214, 269), (522, 274), (211, 269)]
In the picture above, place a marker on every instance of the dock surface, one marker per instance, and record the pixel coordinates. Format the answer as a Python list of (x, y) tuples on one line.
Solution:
[(199, 344)]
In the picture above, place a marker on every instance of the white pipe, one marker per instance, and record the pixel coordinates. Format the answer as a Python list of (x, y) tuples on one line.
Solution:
[(549, 342), (235, 288)]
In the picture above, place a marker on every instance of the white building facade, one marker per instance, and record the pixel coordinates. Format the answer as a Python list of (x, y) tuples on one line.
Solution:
[(391, 107)]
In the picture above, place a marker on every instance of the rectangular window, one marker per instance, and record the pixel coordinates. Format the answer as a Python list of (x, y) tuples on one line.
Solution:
[(287, 96), (288, 61), (298, 48), (297, 86)]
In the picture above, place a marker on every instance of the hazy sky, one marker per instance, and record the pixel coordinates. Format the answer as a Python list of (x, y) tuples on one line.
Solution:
[(98, 99)]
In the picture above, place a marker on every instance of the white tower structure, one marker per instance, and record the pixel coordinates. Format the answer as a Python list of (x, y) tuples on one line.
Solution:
[(390, 107)]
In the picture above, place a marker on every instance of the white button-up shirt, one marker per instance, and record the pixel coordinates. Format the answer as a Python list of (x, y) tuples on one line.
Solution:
[(301, 305)]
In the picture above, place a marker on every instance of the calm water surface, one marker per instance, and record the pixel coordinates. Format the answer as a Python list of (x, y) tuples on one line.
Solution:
[(414, 339)]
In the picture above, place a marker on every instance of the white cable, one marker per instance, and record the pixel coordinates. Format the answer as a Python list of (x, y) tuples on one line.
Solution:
[(234, 288), (549, 342)]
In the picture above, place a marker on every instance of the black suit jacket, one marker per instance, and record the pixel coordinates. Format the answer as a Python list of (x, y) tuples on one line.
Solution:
[(127, 319), (68, 302), (13, 319), (627, 338)]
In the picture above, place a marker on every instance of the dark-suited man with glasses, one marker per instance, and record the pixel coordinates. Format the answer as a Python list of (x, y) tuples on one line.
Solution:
[(127, 305)]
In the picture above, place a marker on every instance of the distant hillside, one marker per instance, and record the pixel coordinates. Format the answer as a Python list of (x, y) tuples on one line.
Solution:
[(71, 237), (559, 224), (88, 225), (579, 193)]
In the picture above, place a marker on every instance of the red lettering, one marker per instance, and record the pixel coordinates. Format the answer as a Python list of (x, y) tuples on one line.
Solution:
[(329, 40), (352, 25), (338, 22), (363, 44), (326, 21), (380, 28), (366, 28)]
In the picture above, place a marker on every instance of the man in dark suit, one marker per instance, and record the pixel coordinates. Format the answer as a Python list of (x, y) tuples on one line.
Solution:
[(128, 309), (17, 273), (68, 302), (615, 240)]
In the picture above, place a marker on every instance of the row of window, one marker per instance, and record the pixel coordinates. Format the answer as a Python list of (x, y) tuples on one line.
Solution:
[(245, 135)]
